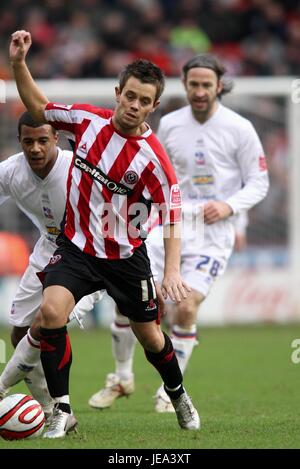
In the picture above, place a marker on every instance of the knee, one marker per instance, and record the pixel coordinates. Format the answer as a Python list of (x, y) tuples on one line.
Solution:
[(17, 334), (35, 327), (186, 315), (153, 343), (48, 312), (186, 311)]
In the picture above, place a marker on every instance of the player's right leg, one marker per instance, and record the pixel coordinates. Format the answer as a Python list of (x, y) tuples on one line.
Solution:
[(56, 356), (25, 361), (11, 373), (121, 382)]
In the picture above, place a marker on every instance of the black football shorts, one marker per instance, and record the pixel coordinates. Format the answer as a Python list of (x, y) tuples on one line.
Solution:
[(128, 281)]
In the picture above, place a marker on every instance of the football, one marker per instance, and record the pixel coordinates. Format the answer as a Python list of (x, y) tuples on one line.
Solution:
[(21, 416)]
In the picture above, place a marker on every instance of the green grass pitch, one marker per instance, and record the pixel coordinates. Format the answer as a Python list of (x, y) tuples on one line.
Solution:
[(241, 379)]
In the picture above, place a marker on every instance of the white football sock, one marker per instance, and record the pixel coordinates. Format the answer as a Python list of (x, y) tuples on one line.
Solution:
[(63, 399), (24, 359), (184, 340), (3, 390), (162, 393), (37, 385), (123, 345)]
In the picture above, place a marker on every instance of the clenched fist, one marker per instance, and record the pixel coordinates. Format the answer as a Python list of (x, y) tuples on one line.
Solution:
[(19, 46)]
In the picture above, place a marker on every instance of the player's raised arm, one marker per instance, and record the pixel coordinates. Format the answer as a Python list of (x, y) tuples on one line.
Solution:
[(33, 99)]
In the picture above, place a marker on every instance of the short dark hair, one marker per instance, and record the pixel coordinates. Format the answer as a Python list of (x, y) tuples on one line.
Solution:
[(213, 63), (146, 72), (26, 119)]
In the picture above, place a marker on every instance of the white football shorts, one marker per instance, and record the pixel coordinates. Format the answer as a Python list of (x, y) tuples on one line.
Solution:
[(29, 296), (199, 270)]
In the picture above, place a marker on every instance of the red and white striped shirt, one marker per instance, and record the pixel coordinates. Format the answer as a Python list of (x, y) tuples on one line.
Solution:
[(112, 182)]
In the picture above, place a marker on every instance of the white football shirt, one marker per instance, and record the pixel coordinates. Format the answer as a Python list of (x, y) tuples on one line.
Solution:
[(221, 159), (42, 200)]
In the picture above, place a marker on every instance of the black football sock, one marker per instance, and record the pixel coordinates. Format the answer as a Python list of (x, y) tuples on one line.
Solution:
[(167, 365), (56, 358)]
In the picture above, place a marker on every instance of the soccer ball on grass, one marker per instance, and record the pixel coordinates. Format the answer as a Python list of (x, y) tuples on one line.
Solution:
[(21, 416)]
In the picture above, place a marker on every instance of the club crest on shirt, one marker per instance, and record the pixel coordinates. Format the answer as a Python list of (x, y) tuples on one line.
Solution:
[(199, 158), (48, 213), (130, 177)]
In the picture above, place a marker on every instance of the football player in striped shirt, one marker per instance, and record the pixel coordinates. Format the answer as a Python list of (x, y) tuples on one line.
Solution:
[(119, 169)]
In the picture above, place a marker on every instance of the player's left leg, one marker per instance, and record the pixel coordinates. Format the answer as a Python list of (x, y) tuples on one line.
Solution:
[(130, 283), (160, 353), (184, 338)]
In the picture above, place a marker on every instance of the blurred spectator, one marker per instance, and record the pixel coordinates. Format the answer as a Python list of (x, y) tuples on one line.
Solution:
[(14, 254), (188, 35)]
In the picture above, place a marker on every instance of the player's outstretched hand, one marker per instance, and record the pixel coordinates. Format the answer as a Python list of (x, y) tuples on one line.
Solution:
[(174, 287), (19, 46)]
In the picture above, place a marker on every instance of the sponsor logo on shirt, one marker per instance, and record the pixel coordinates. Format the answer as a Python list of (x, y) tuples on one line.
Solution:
[(262, 163), (175, 204), (62, 106), (45, 198), (203, 179), (99, 176), (175, 197), (53, 230)]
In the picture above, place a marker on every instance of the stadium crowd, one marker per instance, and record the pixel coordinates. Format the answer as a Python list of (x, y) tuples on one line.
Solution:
[(95, 38)]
